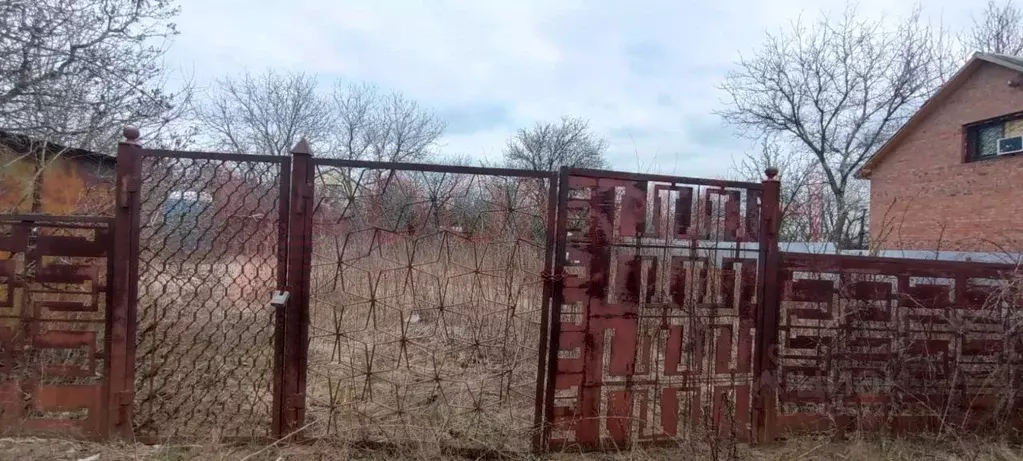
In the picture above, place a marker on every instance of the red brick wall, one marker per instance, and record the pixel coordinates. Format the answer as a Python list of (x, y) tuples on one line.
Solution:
[(923, 195)]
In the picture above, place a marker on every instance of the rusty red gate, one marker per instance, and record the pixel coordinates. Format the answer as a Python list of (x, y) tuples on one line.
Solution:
[(655, 309), (61, 338), (204, 237), (628, 319), (260, 297), (369, 302)]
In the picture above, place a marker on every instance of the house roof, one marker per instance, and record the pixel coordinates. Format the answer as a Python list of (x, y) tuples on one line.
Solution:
[(960, 77), (23, 144)]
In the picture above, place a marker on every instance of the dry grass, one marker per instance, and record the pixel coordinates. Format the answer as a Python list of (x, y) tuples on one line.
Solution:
[(423, 339), (205, 348), (804, 449), (427, 339)]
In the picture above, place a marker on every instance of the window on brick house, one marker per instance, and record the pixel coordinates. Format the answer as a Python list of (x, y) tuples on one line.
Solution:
[(982, 138)]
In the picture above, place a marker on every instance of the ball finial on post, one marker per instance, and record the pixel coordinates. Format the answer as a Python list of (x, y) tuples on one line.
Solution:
[(131, 134), (771, 172)]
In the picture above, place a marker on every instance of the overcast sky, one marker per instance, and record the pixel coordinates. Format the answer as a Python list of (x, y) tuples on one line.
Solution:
[(644, 72)]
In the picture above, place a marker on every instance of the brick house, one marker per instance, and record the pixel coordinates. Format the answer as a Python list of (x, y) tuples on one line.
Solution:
[(72, 182), (952, 177)]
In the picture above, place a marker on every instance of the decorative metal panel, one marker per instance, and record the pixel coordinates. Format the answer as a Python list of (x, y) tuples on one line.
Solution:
[(897, 345), (654, 325), (53, 303)]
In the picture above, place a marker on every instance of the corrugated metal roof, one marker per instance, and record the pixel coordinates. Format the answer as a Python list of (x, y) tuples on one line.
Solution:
[(23, 144)]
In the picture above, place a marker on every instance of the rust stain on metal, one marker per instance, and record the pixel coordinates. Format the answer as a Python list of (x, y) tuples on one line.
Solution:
[(663, 275), (895, 344), (53, 300)]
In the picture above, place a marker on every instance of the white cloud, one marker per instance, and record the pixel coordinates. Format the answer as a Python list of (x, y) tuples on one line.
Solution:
[(645, 72)]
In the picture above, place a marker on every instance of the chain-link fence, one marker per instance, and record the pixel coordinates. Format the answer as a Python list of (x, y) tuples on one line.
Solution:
[(208, 260), (426, 305)]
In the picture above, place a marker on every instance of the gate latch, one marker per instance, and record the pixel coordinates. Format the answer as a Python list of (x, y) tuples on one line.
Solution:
[(280, 299)]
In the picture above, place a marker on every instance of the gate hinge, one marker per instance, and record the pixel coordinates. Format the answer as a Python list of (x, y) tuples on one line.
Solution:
[(129, 185), (125, 400), (551, 276)]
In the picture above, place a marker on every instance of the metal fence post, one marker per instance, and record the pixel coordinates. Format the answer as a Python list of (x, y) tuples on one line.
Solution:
[(296, 330), (764, 363), (121, 313), (557, 299), (280, 319), (545, 368)]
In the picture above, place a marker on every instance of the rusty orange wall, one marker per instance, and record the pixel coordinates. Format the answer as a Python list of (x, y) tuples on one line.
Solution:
[(69, 186), (13, 187)]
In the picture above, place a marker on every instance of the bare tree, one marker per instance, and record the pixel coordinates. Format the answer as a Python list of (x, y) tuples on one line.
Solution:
[(354, 104), (837, 89), (269, 113), (75, 72), (796, 174), (998, 30), (549, 145), (382, 127), (266, 114)]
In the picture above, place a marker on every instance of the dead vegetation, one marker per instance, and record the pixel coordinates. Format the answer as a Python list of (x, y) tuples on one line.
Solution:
[(424, 338), (803, 449), (428, 340), (888, 347)]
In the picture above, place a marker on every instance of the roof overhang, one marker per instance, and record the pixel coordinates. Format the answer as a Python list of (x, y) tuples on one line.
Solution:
[(949, 87)]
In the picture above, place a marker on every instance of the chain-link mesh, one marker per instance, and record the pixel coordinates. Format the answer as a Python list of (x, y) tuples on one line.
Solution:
[(426, 305), (207, 262)]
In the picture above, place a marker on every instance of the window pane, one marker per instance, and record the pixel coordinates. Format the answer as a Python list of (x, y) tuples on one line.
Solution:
[(987, 139)]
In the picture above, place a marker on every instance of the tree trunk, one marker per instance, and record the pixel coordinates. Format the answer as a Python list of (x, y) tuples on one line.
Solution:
[(838, 232)]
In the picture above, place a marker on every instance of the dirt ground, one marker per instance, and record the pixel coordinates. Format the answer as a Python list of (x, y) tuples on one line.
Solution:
[(31, 449)]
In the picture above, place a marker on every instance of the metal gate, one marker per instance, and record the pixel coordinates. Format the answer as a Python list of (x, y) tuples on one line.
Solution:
[(206, 246), (410, 301), (58, 333), (427, 302), (654, 313), (379, 302)]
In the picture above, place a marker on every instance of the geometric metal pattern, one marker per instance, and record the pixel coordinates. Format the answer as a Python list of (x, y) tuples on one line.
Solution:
[(53, 304), (209, 261), (424, 309), (426, 304), (654, 321), (897, 345)]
